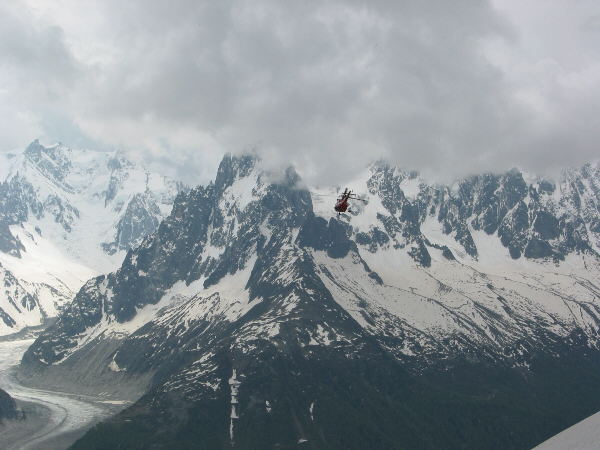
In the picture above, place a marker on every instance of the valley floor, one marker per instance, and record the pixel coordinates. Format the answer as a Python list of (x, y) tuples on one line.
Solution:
[(54, 420)]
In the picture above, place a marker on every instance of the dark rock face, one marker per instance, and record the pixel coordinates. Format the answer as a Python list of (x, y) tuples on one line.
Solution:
[(8, 407), (8, 243), (335, 402), (272, 327), (141, 218), (17, 200)]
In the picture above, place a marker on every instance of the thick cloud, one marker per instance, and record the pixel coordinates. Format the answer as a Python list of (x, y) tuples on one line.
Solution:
[(445, 87), (35, 68)]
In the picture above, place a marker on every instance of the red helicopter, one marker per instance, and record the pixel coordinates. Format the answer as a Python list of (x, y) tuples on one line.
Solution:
[(341, 205)]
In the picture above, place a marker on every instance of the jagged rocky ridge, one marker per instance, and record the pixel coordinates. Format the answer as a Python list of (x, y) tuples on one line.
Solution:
[(66, 215), (256, 319)]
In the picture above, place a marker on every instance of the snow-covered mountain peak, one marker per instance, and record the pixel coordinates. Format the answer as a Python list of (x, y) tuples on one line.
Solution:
[(233, 168), (531, 216), (55, 162), (89, 207)]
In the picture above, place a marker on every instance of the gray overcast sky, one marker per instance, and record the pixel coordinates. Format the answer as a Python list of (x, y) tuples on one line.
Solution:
[(446, 87)]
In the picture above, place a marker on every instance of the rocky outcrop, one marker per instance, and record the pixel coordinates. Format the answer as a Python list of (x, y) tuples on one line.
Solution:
[(8, 408)]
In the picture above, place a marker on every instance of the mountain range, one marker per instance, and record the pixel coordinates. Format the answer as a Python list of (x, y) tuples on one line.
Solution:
[(431, 316), (65, 216)]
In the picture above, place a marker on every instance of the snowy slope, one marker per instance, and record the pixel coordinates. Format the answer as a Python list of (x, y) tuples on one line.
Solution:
[(446, 275), (65, 216)]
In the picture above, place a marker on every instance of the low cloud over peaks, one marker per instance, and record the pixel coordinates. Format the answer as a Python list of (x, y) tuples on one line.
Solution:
[(448, 88)]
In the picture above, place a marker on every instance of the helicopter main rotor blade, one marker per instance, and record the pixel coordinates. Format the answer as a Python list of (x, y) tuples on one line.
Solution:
[(358, 198)]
